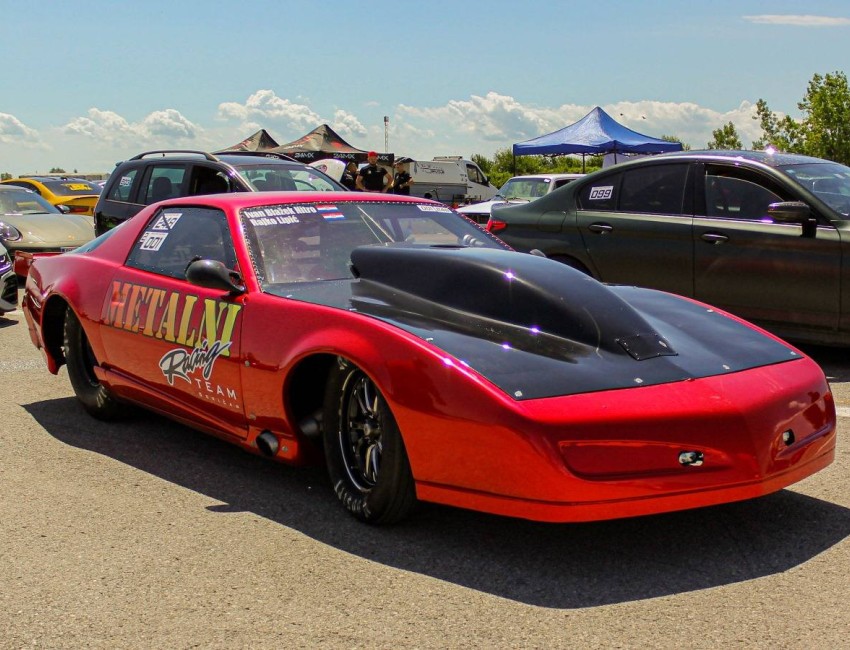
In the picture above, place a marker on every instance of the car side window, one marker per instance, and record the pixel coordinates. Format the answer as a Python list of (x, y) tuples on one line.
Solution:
[(121, 189), (653, 189), (163, 182), (474, 174), (26, 186), (208, 180), (175, 237), (738, 194), (601, 195)]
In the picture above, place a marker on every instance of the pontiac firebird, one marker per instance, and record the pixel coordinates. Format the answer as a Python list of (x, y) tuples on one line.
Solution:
[(426, 361)]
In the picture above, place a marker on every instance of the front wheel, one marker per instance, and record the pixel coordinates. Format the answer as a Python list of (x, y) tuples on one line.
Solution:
[(94, 396), (365, 453)]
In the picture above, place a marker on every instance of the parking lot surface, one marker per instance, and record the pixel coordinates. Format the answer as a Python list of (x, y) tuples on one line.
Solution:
[(143, 533)]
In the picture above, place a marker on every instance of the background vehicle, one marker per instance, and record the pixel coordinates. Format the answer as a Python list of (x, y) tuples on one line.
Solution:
[(74, 195), (8, 283), (519, 189), (157, 175), (449, 179), (30, 224), (426, 360), (765, 236)]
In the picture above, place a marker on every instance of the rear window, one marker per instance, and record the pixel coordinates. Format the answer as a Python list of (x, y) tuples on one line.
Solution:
[(72, 187)]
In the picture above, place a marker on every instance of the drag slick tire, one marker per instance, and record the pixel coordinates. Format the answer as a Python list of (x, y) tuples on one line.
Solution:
[(80, 359), (365, 454)]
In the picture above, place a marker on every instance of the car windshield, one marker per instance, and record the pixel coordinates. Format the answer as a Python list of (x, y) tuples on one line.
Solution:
[(307, 242), (830, 182), (71, 187), (270, 177), (526, 189), (23, 202)]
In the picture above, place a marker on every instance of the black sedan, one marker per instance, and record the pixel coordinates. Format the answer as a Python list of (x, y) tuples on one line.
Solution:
[(761, 234)]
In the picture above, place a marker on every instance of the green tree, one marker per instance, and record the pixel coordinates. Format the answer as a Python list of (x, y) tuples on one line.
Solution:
[(5, 176), (782, 134), (483, 162), (726, 137), (56, 170), (501, 167), (673, 138), (826, 122)]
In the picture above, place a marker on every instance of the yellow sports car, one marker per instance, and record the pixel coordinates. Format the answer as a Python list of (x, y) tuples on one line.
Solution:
[(76, 194)]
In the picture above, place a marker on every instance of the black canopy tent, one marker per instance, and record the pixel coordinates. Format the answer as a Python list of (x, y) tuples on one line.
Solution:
[(259, 141), (595, 133), (324, 142)]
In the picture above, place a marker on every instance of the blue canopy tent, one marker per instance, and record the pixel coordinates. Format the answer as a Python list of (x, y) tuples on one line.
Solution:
[(595, 133)]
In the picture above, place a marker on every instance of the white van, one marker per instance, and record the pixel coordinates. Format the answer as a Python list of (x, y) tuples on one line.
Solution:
[(449, 179)]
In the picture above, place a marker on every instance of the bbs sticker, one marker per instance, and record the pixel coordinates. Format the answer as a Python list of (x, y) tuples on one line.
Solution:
[(601, 193)]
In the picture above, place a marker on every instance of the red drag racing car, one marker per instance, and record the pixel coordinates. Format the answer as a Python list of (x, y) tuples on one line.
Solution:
[(425, 360)]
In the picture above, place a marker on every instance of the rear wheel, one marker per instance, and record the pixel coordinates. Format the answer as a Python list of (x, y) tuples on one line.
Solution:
[(364, 450), (94, 396)]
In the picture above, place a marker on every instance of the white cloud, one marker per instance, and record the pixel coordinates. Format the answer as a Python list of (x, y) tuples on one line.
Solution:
[(497, 121), (109, 127), (799, 20), (347, 125), (266, 106), (12, 130)]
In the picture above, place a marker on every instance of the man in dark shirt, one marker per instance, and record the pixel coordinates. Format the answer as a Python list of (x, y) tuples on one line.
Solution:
[(402, 180), (349, 176), (373, 178)]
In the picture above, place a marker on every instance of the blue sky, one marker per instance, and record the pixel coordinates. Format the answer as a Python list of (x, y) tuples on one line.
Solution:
[(87, 84)]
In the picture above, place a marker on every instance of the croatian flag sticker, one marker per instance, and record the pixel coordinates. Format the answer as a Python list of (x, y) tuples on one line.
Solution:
[(330, 212)]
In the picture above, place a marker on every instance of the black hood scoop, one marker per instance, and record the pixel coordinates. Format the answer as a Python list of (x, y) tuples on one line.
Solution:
[(537, 328), (523, 296)]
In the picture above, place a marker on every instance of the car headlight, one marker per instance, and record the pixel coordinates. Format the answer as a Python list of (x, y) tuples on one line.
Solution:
[(9, 233)]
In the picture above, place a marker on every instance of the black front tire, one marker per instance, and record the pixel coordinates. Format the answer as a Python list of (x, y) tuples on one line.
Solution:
[(94, 396), (364, 450)]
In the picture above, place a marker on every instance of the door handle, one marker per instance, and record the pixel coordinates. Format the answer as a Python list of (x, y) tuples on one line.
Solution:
[(714, 237), (600, 228)]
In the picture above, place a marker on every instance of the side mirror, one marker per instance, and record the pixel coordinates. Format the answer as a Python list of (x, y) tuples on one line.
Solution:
[(64, 209), (212, 274), (789, 211)]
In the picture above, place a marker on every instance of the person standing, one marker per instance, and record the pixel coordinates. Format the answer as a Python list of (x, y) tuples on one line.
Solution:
[(373, 178), (402, 180), (349, 176)]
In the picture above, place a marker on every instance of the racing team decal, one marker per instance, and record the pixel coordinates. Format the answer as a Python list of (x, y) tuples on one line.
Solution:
[(601, 193), (204, 326)]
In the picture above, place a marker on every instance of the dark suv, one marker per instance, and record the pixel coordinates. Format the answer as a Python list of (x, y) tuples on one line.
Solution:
[(164, 174)]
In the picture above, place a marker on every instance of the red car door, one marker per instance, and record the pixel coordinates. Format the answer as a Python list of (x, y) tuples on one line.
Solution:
[(177, 342)]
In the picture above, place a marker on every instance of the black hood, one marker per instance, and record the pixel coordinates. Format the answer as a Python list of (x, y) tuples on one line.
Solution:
[(537, 328)]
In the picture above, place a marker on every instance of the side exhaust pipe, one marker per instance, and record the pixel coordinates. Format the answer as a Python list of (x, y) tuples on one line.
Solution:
[(267, 443)]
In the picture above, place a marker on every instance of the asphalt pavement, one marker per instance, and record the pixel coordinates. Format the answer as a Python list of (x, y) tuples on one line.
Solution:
[(146, 534)]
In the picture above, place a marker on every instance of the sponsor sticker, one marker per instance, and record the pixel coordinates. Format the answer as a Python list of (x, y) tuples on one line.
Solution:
[(166, 221), (601, 193), (126, 181), (152, 241), (433, 208)]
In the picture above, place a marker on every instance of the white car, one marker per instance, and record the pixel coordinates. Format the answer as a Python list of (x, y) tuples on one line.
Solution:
[(519, 189)]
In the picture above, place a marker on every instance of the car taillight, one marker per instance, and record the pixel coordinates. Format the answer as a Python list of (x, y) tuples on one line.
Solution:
[(77, 209), (495, 225)]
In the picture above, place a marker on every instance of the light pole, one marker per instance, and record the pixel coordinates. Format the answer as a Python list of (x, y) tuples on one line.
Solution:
[(386, 133)]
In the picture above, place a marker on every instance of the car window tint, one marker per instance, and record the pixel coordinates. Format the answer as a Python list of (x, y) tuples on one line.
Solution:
[(208, 180), (601, 194), (653, 189), (174, 237), (738, 194), (120, 190), (164, 182)]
